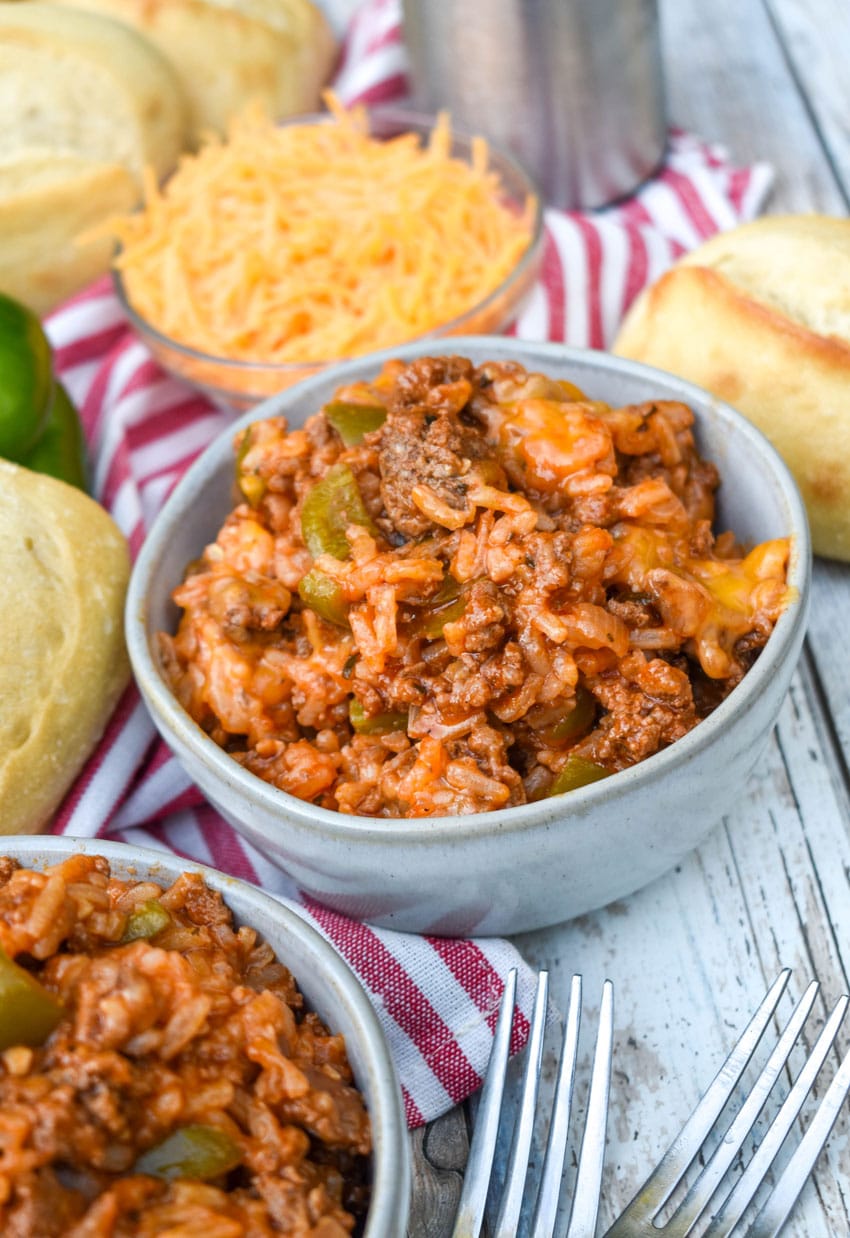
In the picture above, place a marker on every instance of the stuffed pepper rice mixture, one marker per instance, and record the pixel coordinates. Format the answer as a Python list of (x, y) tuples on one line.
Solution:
[(462, 588), (158, 1071)]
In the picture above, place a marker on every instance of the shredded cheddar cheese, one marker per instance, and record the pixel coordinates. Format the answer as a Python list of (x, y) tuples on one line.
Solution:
[(712, 602), (310, 242)]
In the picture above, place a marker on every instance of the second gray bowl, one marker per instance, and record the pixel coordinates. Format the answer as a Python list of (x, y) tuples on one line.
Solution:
[(329, 987)]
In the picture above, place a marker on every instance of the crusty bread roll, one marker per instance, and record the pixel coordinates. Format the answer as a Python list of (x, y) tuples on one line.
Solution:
[(308, 29), (80, 83), (229, 52), (63, 665), (760, 316), (49, 201), (87, 104)]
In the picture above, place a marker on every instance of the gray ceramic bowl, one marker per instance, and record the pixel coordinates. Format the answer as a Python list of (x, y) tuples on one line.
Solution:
[(524, 867), (328, 985)]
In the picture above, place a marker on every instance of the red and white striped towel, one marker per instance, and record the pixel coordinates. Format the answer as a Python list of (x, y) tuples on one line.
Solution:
[(436, 998)]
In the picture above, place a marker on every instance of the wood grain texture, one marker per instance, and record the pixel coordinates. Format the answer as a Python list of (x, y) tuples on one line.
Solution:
[(728, 78), (692, 954), (439, 1157), (815, 39)]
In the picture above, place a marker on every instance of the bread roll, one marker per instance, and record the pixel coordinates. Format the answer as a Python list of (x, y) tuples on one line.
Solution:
[(310, 32), (229, 52), (760, 316), (64, 566), (48, 203), (79, 83)]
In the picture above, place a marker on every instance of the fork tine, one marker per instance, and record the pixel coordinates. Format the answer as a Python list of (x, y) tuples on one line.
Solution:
[(638, 1217), (546, 1207), (589, 1180), (513, 1191), (473, 1198), (752, 1177), (784, 1195), (709, 1180)]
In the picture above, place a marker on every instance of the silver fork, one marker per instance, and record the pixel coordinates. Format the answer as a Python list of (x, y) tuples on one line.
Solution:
[(638, 1220), (482, 1149)]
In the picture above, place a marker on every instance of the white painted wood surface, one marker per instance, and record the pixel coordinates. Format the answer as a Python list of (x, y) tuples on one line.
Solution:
[(691, 955)]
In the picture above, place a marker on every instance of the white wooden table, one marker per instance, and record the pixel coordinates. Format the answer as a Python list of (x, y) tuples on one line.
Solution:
[(691, 955)]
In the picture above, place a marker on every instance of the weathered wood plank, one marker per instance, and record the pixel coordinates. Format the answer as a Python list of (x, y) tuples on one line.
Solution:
[(728, 78), (815, 39), (439, 1155), (827, 643)]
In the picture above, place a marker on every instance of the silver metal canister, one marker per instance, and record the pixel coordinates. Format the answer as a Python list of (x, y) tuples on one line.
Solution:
[(573, 88)]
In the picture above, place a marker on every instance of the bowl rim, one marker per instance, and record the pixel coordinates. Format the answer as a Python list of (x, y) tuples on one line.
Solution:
[(390, 1151), (412, 121), (521, 818)]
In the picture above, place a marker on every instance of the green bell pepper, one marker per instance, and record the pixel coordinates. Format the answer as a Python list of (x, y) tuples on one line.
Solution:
[(61, 449), (39, 426), (253, 486), (577, 772), (197, 1151), (353, 421), (331, 506), (323, 595), (28, 1013), (145, 921), (576, 721), (376, 724), (446, 606), (26, 379)]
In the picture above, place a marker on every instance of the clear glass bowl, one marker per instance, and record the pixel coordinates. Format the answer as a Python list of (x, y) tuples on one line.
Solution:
[(239, 385)]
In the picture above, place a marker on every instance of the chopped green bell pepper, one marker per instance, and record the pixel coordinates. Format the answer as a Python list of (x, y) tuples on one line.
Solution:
[(202, 1152), (446, 606), (577, 772), (252, 485), (376, 724), (353, 421), (576, 721), (146, 920), (323, 595), (28, 1013), (331, 506)]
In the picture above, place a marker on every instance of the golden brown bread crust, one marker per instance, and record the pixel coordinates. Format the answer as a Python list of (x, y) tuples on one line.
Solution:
[(76, 82), (118, 85), (310, 31), (64, 566), (227, 54), (789, 380), (796, 264)]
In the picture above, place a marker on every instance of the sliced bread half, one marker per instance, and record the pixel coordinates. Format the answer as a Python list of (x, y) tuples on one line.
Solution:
[(81, 83), (49, 201), (65, 566), (278, 52)]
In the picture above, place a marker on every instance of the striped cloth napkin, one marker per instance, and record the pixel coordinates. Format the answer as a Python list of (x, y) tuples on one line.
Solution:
[(437, 998)]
